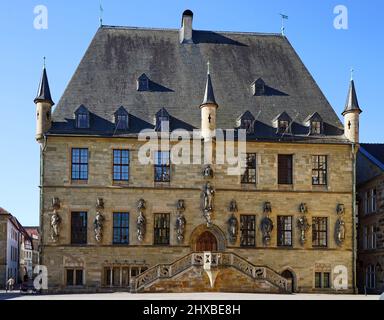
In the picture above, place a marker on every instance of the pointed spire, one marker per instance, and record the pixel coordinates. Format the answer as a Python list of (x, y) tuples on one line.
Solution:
[(209, 97), (352, 104), (43, 93)]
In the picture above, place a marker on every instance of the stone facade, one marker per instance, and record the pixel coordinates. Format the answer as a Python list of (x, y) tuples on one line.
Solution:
[(370, 265), (187, 183)]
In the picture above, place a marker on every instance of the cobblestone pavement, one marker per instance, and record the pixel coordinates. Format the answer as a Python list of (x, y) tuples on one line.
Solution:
[(184, 296)]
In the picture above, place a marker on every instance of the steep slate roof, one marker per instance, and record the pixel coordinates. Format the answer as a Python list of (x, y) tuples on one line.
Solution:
[(374, 152), (352, 104), (107, 79), (43, 92)]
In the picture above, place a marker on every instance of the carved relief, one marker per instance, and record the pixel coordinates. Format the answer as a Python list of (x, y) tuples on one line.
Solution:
[(180, 221), (267, 207), (303, 208), (208, 172), (141, 221), (55, 220)]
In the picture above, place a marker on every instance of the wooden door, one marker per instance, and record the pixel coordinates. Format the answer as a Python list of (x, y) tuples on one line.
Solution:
[(206, 242)]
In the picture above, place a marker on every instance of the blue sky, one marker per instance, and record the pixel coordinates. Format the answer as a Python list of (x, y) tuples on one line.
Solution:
[(327, 52)]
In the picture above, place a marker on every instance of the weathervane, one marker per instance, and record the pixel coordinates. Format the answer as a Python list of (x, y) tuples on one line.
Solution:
[(352, 72), (44, 62), (101, 15), (283, 17)]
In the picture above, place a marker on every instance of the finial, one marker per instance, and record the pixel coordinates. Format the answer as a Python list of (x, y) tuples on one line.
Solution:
[(352, 72), (208, 65), (44, 63)]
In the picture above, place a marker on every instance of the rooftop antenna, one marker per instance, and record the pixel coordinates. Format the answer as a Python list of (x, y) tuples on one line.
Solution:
[(101, 14), (283, 17)]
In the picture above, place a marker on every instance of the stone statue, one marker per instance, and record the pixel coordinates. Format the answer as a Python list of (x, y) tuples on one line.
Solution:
[(100, 204), (340, 209), (208, 172), (232, 228), (303, 225), (340, 231), (55, 226), (180, 205), (180, 226), (208, 217), (98, 226), (208, 197), (233, 206), (266, 229), (141, 221)]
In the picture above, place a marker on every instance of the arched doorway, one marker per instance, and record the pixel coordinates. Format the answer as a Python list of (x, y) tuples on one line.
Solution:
[(287, 274), (206, 242)]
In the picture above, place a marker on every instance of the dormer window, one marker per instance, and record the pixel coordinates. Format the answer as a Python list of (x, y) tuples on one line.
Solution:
[(258, 87), (315, 124), (143, 83), (162, 120), (247, 122), (121, 119), (283, 123), (82, 117)]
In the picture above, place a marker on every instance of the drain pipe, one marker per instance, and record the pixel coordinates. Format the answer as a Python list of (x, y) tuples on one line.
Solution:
[(354, 238), (41, 209)]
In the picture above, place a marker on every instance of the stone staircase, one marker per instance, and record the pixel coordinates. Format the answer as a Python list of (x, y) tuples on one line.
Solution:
[(219, 260)]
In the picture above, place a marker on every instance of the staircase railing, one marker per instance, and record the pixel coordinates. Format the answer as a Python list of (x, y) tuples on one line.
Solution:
[(224, 259)]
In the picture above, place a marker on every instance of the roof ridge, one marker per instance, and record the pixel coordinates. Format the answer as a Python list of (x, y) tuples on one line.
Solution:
[(196, 30)]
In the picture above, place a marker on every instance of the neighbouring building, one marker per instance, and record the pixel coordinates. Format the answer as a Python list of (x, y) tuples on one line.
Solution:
[(370, 187), (108, 222), (34, 235), (10, 237), (26, 255)]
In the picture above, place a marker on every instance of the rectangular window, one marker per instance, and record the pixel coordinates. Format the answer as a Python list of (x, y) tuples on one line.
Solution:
[(121, 228), (79, 228), (74, 277), (322, 280), (161, 229), (373, 200), (79, 164), (162, 166), (285, 169), (120, 165), (370, 277), (315, 127), (319, 232), (319, 170), (249, 176), (248, 230), (284, 231)]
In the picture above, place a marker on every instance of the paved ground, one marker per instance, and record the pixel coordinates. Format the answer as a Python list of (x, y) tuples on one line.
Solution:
[(184, 296)]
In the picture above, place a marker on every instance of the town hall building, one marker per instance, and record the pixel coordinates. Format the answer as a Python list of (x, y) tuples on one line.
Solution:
[(109, 222)]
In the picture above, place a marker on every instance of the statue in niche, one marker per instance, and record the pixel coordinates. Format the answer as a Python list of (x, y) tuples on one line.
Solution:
[(303, 225), (266, 229), (55, 219), (208, 172), (98, 226), (180, 221), (340, 231), (208, 197), (55, 225), (233, 228), (141, 221)]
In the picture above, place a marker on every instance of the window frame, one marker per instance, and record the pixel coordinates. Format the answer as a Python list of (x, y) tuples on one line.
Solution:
[(317, 232), (288, 179), (370, 277), (159, 238), (322, 280), (165, 168), (120, 228), (79, 165), (82, 229), (246, 177), (283, 231), (317, 170), (75, 277), (120, 165), (316, 129), (283, 129), (248, 231)]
